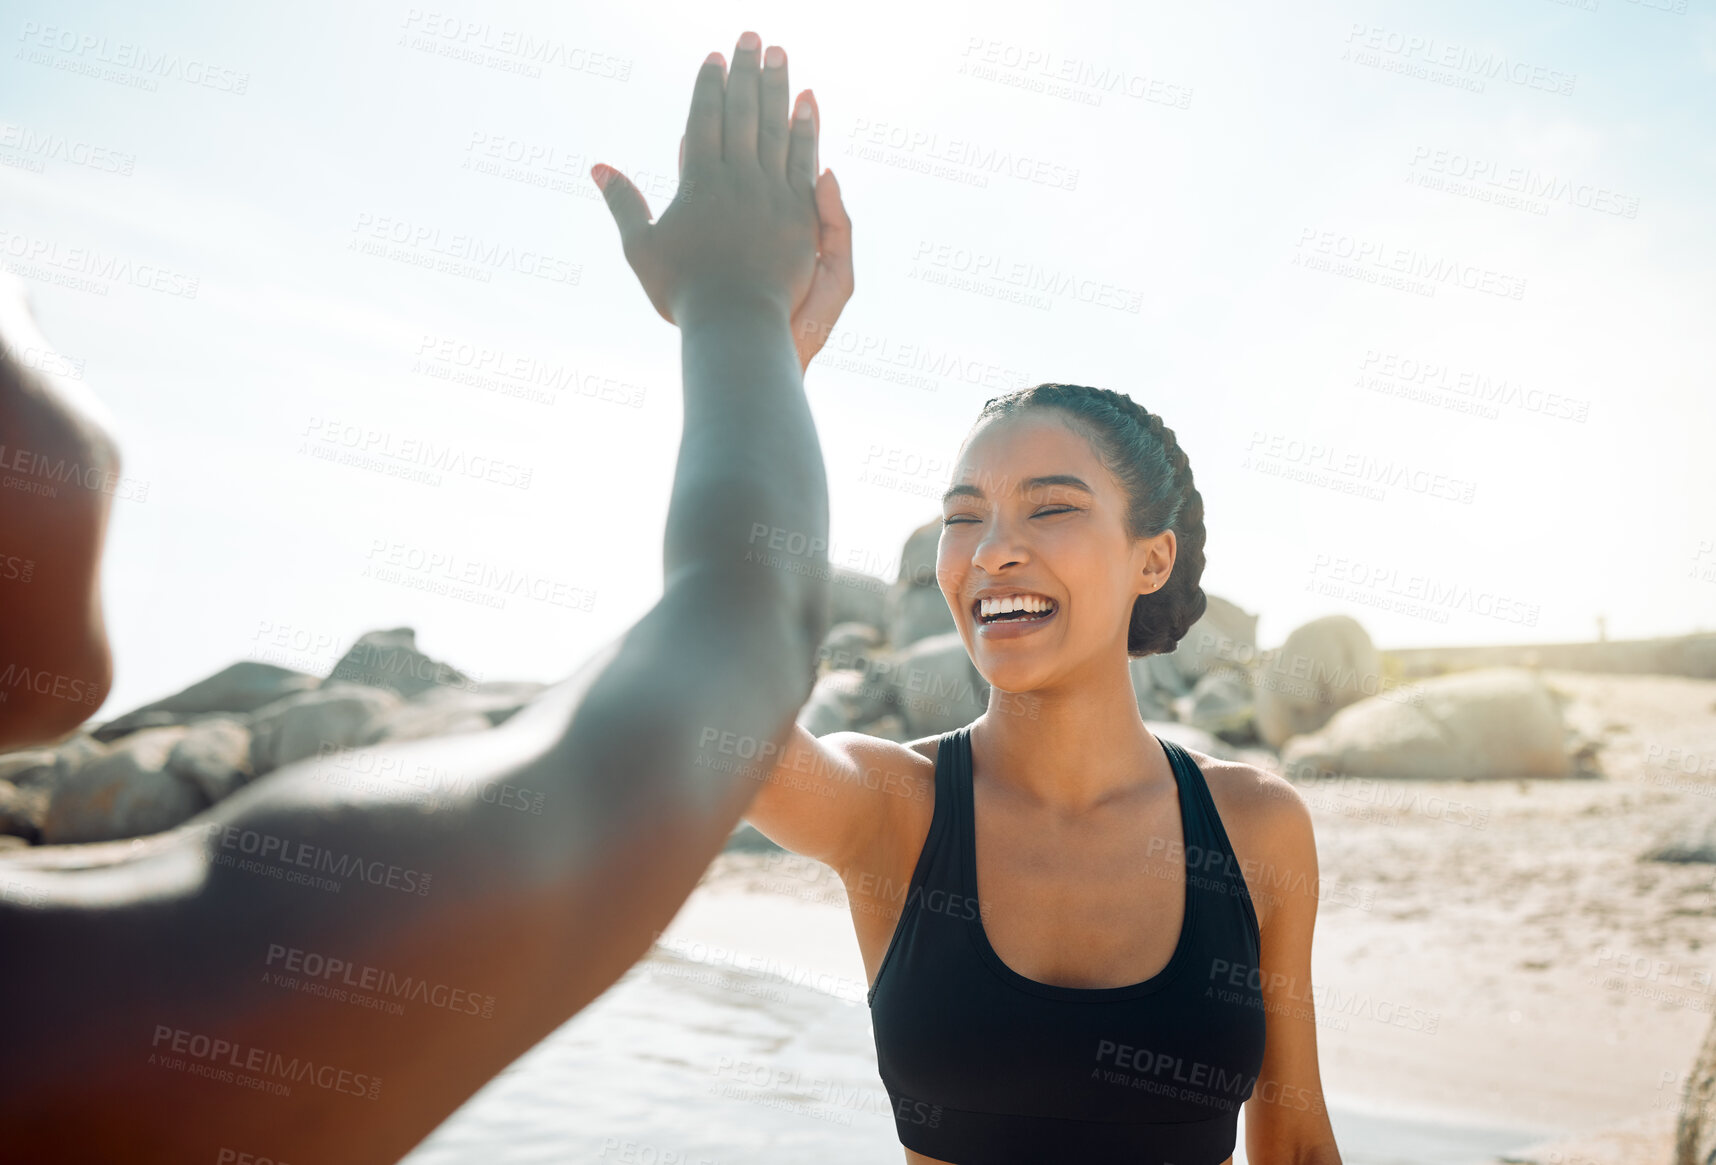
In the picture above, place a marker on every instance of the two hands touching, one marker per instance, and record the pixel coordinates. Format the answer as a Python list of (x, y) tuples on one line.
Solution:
[(753, 223)]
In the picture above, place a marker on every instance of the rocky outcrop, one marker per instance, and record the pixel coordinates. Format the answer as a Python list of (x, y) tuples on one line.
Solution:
[(915, 608), (1225, 635), (127, 792), (390, 660), (339, 715), (1495, 723), (243, 687), (1323, 666)]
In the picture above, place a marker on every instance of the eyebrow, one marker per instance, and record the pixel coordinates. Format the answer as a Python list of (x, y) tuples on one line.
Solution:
[(968, 490)]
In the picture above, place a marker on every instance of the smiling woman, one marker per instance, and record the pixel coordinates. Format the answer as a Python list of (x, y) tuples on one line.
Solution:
[(1126, 979)]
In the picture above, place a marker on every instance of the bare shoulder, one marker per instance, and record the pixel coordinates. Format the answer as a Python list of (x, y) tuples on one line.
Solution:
[(911, 763), (1269, 825)]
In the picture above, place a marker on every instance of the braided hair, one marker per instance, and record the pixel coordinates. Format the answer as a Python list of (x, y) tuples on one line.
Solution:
[(1140, 451)]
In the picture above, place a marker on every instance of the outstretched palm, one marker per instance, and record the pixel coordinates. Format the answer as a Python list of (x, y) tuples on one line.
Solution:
[(831, 286)]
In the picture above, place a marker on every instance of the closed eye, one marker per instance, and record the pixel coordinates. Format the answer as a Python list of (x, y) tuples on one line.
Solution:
[(1038, 514)]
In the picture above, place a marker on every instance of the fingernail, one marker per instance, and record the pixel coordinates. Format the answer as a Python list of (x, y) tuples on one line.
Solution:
[(775, 57), (750, 42), (601, 174), (801, 111), (714, 59)]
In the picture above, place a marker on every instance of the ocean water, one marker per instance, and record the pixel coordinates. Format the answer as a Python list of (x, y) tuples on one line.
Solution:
[(684, 1062)]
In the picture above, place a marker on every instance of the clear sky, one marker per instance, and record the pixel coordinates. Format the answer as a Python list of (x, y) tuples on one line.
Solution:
[(1424, 290)]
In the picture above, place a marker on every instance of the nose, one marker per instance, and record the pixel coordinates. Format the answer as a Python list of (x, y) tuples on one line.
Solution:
[(1001, 545)]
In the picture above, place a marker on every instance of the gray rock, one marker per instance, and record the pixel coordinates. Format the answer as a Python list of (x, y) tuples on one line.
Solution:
[(1224, 634), (213, 755), (1691, 840), (915, 607), (1221, 703), (22, 811), (849, 647), (420, 719), (32, 766), (390, 660), (243, 687), (126, 793), (1155, 702), (842, 700), (916, 613), (1323, 666), (1486, 724), (856, 597), (936, 688), (497, 700), (1695, 1132), (339, 715)]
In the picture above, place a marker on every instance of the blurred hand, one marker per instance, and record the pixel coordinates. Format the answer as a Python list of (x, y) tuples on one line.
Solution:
[(743, 225), (831, 286)]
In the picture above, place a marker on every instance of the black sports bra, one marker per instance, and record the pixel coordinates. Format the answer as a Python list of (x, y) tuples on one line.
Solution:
[(987, 1067)]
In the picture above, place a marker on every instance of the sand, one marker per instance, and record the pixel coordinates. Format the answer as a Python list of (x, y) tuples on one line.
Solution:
[(1486, 953)]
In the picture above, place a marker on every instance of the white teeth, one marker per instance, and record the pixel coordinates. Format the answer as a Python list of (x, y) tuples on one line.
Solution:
[(1008, 603)]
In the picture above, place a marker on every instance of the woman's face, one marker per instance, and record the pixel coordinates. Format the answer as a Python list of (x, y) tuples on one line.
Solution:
[(1033, 511)]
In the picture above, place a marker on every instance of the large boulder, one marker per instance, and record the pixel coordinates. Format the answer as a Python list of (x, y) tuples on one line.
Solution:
[(339, 715), (1691, 839), (841, 701), (1695, 1132), (915, 608), (127, 792), (390, 660), (420, 719), (1225, 634), (856, 597), (213, 755), (243, 687), (1323, 666), (32, 766), (1155, 702), (934, 685), (497, 700), (849, 647), (916, 613), (22, 811), (1491, 723), (1220, 703)]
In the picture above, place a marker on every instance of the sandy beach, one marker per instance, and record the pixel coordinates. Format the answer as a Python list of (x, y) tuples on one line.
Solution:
[(1487, 954)]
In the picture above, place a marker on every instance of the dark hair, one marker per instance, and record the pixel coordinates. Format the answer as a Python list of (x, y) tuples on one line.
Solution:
[(1140, 451)]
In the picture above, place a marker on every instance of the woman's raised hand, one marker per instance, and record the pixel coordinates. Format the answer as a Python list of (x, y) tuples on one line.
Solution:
[(743, 227)]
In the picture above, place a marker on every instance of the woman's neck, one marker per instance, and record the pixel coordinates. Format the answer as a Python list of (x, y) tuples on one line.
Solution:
[(1071, 747)]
